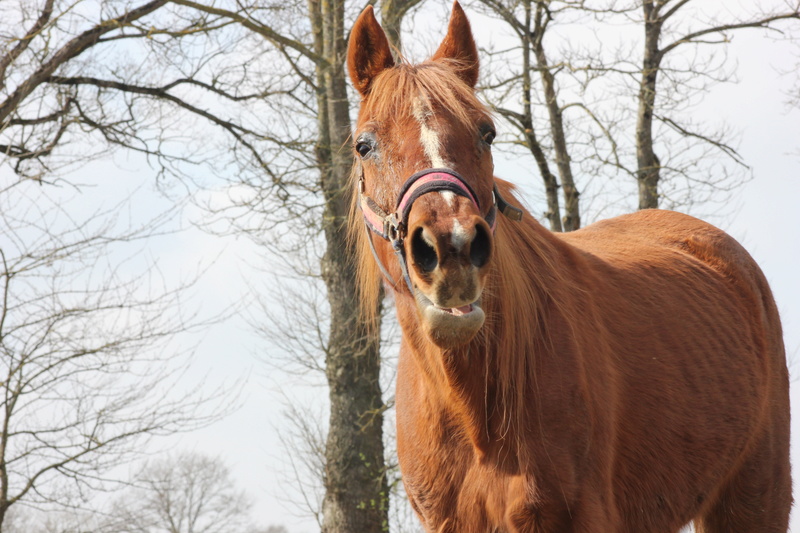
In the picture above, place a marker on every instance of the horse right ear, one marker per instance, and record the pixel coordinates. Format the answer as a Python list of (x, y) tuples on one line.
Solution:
[(459, 45), (368, 51)]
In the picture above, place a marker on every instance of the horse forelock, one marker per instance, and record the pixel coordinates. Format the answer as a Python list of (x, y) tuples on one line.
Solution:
[(397, 92)]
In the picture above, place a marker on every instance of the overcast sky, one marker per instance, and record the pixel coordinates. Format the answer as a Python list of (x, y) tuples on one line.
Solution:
[(764, 216)]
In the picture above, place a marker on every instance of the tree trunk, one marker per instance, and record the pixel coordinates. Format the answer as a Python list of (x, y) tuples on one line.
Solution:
[(572, 217), (648, 166), (392, 13), (356, 492), (550, 182)]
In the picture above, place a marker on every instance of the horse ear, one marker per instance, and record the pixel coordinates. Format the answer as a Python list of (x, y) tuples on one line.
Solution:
[(368, 51), (459, 45)]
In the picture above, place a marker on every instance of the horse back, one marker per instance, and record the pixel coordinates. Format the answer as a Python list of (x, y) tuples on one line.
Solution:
[(668, 261)]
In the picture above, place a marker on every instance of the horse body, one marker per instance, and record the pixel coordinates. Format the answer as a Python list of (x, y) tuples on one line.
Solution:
[(656, 425), (627, 377)]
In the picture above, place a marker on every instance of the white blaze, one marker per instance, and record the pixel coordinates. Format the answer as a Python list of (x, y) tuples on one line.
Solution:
[(460, 236), (427, 135), (429, 138), (449, 197)]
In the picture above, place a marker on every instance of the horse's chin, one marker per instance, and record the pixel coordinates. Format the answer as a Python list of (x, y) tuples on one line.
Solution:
[(450, 327)]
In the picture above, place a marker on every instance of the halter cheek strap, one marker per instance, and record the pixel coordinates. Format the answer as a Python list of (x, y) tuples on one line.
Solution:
[(393, 227)]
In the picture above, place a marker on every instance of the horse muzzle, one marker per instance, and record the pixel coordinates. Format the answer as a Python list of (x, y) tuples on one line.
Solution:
[(450, 327), (448, 260)]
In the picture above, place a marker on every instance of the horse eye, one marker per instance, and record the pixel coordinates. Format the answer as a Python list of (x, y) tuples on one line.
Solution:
[(488, 135), (366, 143), (363, 149)]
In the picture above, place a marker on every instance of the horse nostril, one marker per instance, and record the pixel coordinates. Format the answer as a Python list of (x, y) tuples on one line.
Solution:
[(480, 249), (423, 253)]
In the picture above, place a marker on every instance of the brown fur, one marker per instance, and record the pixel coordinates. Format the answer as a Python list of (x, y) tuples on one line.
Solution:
[(629, 377)]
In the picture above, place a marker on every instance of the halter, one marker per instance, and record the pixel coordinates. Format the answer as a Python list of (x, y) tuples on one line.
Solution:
[(393, 227)]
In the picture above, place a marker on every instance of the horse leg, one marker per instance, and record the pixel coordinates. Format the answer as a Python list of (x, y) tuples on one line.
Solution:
[(757, 499)]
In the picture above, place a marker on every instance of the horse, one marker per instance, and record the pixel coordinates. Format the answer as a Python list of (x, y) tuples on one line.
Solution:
[(626, 377)]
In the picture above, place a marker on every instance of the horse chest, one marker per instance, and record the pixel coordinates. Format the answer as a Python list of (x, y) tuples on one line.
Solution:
[(450, 486), (452, 491)]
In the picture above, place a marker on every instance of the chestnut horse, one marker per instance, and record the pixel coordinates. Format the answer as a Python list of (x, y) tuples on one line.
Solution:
[(626, 377)]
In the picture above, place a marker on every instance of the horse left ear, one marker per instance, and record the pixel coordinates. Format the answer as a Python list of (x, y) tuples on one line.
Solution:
[(368, 51), (459, 45)]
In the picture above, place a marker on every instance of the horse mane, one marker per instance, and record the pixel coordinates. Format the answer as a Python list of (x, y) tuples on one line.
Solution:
[(368, 275), (518, 299)]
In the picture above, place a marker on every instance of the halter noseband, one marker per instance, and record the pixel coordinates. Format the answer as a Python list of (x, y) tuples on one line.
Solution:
[(393, 227)]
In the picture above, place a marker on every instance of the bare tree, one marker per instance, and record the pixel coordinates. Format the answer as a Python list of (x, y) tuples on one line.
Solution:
[(635, 98), (558, 119), (355, 496), (31, 520), (529, 21), (86, 365), (187, 492), (667, 29), (289, 82), (184, 493), (541, 18), (270, 529)]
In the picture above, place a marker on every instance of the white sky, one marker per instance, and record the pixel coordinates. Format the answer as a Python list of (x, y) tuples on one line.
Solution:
[(765, 221)]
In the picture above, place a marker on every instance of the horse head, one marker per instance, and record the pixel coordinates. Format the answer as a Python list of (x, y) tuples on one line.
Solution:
[(423, 146)]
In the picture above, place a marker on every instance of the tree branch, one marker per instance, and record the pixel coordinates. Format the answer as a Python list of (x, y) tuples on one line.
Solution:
[(22, 45), (261, 29), (762, 23), (236, 130), (72, 49), (672, 10), (725, 148)]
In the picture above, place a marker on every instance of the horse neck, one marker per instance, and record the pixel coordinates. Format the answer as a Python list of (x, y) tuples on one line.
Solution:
[(484, 384)]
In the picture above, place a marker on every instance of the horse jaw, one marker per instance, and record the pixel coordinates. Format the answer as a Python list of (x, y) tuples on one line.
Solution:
[(449, 328)]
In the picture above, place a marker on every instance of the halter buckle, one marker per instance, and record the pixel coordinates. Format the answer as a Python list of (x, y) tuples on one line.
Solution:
[(392, 228)]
